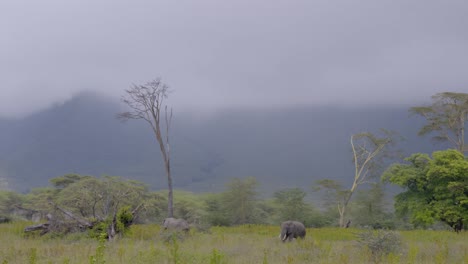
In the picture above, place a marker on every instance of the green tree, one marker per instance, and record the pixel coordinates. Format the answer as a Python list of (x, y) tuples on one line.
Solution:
[(67, 179), (240, 200), (291, 205), (155, 208), (447, 116), (189, 206), (9, 200), (216, 212), (40, 199), (76, 203), (84, 197), (368, 209), (434, 188), (119, 192)]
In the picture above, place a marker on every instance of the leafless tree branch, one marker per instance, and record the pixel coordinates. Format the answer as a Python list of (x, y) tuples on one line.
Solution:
[(146, 102)]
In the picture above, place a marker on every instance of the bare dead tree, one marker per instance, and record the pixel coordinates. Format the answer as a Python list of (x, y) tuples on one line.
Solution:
[(146, 102), (366, 148)]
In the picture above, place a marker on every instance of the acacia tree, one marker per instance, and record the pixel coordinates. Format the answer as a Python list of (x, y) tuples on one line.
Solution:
[(240, 200), (367, 149), (78, 203), (147, 102), (447, 116), (290, 204)]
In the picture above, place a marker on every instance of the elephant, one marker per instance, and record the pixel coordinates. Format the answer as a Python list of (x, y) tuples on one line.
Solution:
[(291, 230), (176, 224)]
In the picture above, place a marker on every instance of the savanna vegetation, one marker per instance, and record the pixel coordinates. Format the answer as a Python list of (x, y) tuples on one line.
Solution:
[(88, 219), (237, 244)]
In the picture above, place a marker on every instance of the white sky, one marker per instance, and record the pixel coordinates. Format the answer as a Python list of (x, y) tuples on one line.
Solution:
[(216, 54)]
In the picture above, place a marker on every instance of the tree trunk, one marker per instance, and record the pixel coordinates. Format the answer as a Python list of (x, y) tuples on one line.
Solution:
[(342, 210), (170, 206), (342, 213), (167, 166)]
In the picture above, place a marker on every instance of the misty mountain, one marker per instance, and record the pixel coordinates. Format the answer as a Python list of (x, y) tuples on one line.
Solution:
[(287, 147)]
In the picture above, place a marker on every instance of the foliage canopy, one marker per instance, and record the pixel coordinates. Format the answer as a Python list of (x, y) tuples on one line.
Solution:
[(434, 188)]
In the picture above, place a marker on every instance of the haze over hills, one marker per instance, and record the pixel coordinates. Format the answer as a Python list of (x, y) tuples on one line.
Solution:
[(287, 147)]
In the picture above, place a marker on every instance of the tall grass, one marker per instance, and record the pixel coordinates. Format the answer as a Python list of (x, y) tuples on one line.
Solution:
[(241, 244)]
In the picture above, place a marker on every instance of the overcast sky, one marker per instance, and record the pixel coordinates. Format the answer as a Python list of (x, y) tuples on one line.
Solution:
[(216, 53)]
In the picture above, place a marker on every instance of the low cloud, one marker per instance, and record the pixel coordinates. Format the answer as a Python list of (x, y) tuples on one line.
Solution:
[(216, 54)]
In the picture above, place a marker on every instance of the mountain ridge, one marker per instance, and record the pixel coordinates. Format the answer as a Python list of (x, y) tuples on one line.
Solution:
[(287, 147)]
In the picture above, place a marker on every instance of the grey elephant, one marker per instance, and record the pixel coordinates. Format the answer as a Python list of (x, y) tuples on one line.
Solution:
[(291, 230), (176, 224)]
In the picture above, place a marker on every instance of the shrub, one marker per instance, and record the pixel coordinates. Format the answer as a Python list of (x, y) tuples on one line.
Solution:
[(380, 242), (124, 219)]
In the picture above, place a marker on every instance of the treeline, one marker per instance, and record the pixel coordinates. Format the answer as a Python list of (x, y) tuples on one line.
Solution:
[(100, 198), (434, 195)]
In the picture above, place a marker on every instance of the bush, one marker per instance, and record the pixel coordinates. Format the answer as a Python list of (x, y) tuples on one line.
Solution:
[(380, 242), (98, 229), (124, 219)]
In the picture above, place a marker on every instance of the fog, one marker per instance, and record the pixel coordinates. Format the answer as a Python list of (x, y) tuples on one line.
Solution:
[(218, 54)]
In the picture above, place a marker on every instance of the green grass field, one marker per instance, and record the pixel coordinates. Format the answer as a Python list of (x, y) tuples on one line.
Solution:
[(242, 244)]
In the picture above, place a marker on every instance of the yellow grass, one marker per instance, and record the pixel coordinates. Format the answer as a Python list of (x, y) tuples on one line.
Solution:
[(242, 244)]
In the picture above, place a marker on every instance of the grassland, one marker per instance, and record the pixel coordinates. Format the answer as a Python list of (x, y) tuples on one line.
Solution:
[(243, 244)]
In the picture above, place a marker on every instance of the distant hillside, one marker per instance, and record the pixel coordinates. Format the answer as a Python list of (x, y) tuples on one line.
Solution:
[(281, 148)]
